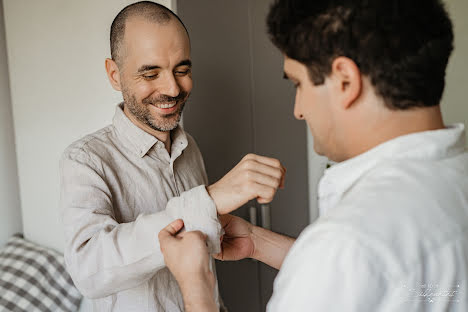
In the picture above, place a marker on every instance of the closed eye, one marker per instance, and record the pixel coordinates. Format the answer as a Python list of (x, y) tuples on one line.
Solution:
[(150, 77), (182, 72)]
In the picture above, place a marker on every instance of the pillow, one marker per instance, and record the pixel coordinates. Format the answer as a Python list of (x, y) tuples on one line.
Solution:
[(34, 278)]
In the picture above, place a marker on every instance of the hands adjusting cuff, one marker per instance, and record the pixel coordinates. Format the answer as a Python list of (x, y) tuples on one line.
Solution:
[(198, 211)]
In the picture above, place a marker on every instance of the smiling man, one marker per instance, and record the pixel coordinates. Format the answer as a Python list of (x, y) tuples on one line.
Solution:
[(369, 77), (122, 184)]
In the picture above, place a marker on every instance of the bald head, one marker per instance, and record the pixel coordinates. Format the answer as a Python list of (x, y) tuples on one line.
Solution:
[(147, 10)]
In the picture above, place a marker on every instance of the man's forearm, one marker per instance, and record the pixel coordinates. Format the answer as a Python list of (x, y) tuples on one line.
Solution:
[(198, 295), (270, 248)]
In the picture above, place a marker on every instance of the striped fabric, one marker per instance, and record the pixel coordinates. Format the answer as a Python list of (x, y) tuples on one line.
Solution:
[(33, 278)]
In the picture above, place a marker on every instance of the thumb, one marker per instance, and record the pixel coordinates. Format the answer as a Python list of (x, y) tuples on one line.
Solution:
[(171, 230)]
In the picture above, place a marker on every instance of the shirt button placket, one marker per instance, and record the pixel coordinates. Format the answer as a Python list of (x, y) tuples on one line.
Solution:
[(174, 178)]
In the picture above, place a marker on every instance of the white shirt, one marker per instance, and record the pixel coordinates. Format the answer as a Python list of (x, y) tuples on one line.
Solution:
[(392, 235), (119, 188)]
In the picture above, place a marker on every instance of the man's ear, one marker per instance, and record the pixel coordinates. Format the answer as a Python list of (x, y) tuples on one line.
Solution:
[(348, 80), (113, 74)]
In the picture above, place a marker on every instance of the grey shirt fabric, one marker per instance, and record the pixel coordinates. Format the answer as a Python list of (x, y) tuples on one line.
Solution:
[(119, 188)]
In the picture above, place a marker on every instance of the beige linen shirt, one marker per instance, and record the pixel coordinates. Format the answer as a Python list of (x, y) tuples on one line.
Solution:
[(119, 188)]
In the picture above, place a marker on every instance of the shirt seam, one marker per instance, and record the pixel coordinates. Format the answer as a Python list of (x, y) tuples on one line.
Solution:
[(80, 145)]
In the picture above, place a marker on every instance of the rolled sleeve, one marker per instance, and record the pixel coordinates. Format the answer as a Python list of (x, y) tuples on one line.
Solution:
[(199, 213), (104, 256)]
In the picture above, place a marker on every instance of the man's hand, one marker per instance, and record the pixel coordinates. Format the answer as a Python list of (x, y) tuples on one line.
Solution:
[(253, 177), (244, 240), (237, 242), (185, 254), (187, 257)]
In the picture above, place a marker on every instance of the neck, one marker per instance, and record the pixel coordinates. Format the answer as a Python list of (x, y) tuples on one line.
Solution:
[(392, 124), (163, 136)]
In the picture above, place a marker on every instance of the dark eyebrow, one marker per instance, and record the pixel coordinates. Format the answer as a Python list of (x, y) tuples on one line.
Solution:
[(185, 63), (144, 68)]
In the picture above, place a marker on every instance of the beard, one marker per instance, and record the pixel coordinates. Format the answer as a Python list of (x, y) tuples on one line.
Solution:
[(163, 122)]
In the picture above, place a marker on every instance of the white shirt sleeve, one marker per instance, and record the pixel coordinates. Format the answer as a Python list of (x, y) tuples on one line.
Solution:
[(328, 270)]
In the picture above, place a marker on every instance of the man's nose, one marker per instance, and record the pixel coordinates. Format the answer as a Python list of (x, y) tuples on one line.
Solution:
[(170, 86)]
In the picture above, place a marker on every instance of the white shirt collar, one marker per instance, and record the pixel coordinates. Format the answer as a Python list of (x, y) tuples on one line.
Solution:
[(433, 144)]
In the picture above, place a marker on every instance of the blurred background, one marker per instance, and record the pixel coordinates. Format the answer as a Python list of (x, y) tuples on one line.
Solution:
[(54, 90)]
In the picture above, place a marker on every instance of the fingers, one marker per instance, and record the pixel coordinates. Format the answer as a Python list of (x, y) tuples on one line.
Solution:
[(263, 179), (264, 193), (256, 189), (197, 238), (283, 177), (266, 166), (171, 230), (253, 177), (197, 235), (274, 172), (272, 162)]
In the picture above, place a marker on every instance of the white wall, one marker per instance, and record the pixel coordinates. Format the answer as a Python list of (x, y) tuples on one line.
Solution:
[(59, 93), (10, 212), (455, 101)]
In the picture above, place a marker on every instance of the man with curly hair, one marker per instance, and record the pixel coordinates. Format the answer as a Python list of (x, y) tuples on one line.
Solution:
[(391, 236)]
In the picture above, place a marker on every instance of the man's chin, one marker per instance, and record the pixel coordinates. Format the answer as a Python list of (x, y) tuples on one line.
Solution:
[(318, 148), (166, 125)]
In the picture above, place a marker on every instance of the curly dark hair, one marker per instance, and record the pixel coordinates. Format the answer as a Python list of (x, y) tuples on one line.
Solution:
[(403, 46)]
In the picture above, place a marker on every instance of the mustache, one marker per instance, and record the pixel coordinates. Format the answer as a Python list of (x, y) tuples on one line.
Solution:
[(163, 99)]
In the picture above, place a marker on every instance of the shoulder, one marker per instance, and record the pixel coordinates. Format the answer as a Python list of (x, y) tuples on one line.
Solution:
[(403, 208), (410, 189), (408, 176), (89, 146)]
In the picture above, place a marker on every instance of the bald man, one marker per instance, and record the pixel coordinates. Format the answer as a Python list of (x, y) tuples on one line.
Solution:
[(122, 184)]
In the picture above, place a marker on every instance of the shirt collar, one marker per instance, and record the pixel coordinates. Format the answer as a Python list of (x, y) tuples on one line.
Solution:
[(140, 141), (434, 144), (179, 142)]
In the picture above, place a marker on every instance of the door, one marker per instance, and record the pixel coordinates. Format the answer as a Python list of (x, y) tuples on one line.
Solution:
[(240, 104)]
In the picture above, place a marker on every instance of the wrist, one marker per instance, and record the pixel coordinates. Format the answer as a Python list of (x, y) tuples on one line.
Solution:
[(269, 247), (198, 292), (254, 237), (213, 193)]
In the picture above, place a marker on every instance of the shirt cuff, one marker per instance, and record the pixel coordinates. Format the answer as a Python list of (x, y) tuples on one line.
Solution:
[(198, 211)]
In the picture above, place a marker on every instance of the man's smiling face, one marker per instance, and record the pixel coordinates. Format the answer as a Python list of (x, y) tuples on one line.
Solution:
[(155, 72)]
